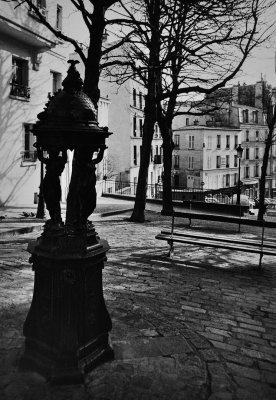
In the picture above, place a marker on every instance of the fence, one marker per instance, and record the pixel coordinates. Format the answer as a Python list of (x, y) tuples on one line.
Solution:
[(122, 188)]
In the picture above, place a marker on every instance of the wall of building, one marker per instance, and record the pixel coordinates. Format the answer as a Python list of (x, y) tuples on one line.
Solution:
[(20, 179)]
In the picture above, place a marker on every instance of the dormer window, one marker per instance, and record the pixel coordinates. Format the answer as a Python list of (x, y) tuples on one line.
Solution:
[(42, 7), (245, 115)]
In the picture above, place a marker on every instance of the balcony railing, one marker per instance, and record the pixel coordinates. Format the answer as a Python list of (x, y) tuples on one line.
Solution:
[(29, 156), (20, 90)]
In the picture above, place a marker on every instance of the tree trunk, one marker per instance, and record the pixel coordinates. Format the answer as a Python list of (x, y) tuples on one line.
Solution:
[(138, 214), (263, 174), (92, 67), (167, 162)]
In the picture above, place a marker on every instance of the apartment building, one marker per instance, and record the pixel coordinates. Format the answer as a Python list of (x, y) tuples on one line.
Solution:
[(205, 150), (126, 117), (205, 157), (33, 64)]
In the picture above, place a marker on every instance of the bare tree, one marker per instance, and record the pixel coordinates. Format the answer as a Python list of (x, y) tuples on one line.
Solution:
[(186, 48), (96, 22)]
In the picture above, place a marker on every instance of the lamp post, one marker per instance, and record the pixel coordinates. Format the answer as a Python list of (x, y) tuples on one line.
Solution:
[(239, 150), (67, 327)]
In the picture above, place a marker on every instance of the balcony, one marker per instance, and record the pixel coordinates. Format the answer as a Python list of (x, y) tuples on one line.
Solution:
[(21, 91), (157, 159), (34, 35), (29, 156)]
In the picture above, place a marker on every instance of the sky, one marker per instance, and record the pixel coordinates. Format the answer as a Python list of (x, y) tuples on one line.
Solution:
[(260, 64)]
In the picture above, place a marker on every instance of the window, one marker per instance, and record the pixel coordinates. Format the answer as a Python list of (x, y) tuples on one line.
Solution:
[(176, 180), (255, 117), (247, 136), (209, 143), (134, 97), (41, 5), (156, 150), (218, 161), (134, 125), (191, 142), (228, 141), (19, 83), (256, 170), (209, 162), (256, 153), (140, 100), (247, 153), (140, 155), (235, 178), (191, 162), (176, 161), (236, 141), (218, 141), (56, 81), (29, 154), (156, 130), (247, 172), (245, 114), (227, 180), (227, 161), (141, 127), (235, 160), (135, 155), (59, 18), (176, 141), (257, 136)]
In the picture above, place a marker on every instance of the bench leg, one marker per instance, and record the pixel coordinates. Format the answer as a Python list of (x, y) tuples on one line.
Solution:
[(260, 260), (171, 251)]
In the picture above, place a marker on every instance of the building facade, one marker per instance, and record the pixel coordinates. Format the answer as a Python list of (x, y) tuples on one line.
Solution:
[(33, 64), (126, 118), (205, 151)]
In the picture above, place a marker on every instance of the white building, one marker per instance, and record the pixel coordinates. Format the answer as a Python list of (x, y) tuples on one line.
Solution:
[(126, 116), (33, 64), (205, 157), (205, 154)]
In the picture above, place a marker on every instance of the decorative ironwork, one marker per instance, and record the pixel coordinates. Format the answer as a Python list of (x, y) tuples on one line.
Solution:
[(30, 156), (67, 326), (20, 90)]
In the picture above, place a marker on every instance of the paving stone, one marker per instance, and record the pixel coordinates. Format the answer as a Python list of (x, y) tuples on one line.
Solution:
[(170, 322)]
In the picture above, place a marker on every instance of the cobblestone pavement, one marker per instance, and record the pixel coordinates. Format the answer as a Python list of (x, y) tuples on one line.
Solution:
[(200, 326)]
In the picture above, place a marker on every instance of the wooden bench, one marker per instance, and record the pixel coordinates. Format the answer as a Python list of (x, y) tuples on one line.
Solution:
[(261, 246)]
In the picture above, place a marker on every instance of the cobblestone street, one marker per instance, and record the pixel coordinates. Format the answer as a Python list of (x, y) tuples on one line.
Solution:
[(200, 326)]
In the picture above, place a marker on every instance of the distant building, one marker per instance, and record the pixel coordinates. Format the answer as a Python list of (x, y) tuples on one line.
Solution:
[(126, 118), (33, 64), (206, 151)]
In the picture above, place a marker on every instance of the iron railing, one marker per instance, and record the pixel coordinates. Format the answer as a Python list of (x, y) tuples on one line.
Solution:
[(20, 90), (30, 156), (155, 191)]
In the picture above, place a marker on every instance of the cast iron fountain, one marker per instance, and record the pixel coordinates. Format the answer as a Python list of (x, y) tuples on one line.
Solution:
[(67, 327)]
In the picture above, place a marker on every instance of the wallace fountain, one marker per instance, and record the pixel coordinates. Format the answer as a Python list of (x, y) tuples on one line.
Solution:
[(67, 328)]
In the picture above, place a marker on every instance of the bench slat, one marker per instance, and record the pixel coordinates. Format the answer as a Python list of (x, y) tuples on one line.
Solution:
[(221, 218), (221, 238), (213, 243)]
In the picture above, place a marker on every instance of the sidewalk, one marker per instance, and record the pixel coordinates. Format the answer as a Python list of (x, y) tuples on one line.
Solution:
[(14, 220)]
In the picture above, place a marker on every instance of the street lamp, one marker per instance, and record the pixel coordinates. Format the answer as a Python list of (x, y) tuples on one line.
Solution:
[(239, 150), (67, 327)]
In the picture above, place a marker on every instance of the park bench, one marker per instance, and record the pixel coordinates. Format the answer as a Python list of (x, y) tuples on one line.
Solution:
[(262, 246)]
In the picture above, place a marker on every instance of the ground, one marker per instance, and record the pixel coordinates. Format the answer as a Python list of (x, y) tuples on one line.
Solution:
[(200, 326)]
